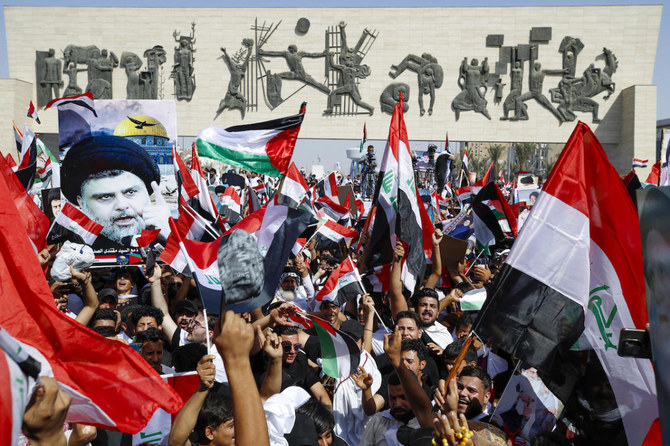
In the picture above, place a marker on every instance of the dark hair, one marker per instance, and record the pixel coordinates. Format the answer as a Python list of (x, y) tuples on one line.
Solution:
[(54, 194), (464, 287), (394, 379), (319, 413), (151, 334), (216, 409), (452, 350), (125, 271), (286, 330), (425, 292), (144, 311), (105, 331), (186, 357), (103, 314), (415, 345), (478, 372), (408, 315), (127, 310), (464, 320)]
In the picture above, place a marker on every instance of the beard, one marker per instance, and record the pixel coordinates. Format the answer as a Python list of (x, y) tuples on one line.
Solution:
[(402, 415), (111, 230), (287, 295), (474, 409)]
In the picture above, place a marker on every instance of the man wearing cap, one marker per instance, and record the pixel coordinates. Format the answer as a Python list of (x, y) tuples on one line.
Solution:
[(185, 312), (111, 179)]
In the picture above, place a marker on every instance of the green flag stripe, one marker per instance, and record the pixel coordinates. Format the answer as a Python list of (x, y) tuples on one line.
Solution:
[(256, 163), (328, 352)]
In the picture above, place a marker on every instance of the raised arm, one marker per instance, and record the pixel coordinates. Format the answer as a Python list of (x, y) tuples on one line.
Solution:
[(185, 421), (272, 382), (436, 272), (371, 403), (234, 344), (398, 301), (89, 296), (158, 301)]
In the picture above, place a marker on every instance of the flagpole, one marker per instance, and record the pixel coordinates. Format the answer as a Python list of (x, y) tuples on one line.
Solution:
[(459, 359), (204, 315), (195, 219), (473, 262)]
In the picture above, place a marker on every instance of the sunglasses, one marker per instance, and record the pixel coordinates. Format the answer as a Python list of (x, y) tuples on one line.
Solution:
[(288, 347)]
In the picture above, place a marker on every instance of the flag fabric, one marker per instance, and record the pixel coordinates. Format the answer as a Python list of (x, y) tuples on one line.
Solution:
[(27, 168), (18, 138), (203, 203), (231, 206), (465, 162), (488, 177), (44, 156), (364, 139), (328, 187), (576, 270), (77, 357), (9, 159), (253, 202), (332, 209), (464, 194), (494, 219), (293, 189), (378, 279), (263, 147), (16, 368), (339, 352), (187, 187), (640, 163), (334, 232), (398, 205), (654, 175), (191, 225), (75, 114), (147, 237), (298, 246), (32, 112), (32, 219), (75, 221), (343, 284)]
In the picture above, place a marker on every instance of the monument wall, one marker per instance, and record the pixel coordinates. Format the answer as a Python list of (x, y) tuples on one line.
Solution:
[(543, 67)]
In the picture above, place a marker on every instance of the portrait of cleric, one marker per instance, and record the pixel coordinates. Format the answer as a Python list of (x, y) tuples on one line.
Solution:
[(112, 180)]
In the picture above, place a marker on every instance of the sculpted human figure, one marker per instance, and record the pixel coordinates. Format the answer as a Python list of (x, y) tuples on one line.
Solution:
[(348, 75), (512, 100), (51, 76), (429, 76), (182, 70), (472, 79), (237, 66), (296, 71), (535, 81)]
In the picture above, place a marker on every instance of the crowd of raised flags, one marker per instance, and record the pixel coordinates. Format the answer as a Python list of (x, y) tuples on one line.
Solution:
[(545, 267)]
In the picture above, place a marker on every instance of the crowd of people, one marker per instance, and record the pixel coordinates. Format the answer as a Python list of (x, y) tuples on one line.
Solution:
[(421, 375)]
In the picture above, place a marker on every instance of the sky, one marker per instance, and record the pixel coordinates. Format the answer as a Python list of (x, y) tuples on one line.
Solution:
[(661, 76)]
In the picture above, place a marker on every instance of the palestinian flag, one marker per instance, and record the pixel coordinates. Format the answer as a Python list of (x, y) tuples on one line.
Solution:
[(76, 222), (263, 147), (335, 232), (399, 208), (293, 189), (576, 270), (494, 219), (340, 354), (364, 139), (32, 112), (343, 284), (488, 177)]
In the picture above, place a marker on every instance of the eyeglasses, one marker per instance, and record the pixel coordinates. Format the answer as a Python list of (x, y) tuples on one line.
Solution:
[(288, 347)]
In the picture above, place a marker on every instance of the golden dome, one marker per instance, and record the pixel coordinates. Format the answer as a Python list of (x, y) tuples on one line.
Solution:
[(140, 125)]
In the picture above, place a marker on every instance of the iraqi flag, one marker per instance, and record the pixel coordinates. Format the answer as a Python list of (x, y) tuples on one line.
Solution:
[(193, 226), (378, 279), (263, 147), (332, 209), (343, 284), (27, 168), (398, 206), (293, 189), (464, 194), (464, 162), (231, 206), (576, 270), (340, 354), (253, 202), (75, 114), (111, 386), (18, 138), (203, 203), (328, 187), (187, 187), (76, 222), (32, 112), (640, 163), (335, 232)]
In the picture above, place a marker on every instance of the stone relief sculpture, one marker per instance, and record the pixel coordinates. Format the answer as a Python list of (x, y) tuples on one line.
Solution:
[(237, 66), (296, 71), (182, 70), (472, 79), (391, 95), (49, 78), (499, 87), (535, 81), (349, 73), (152, 78), (512, 100), (99, 70), (570, 48), (72, 89), (429, 76), (132, 64)]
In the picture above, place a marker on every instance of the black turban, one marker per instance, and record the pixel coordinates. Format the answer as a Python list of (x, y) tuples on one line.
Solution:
[(100, 153)]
